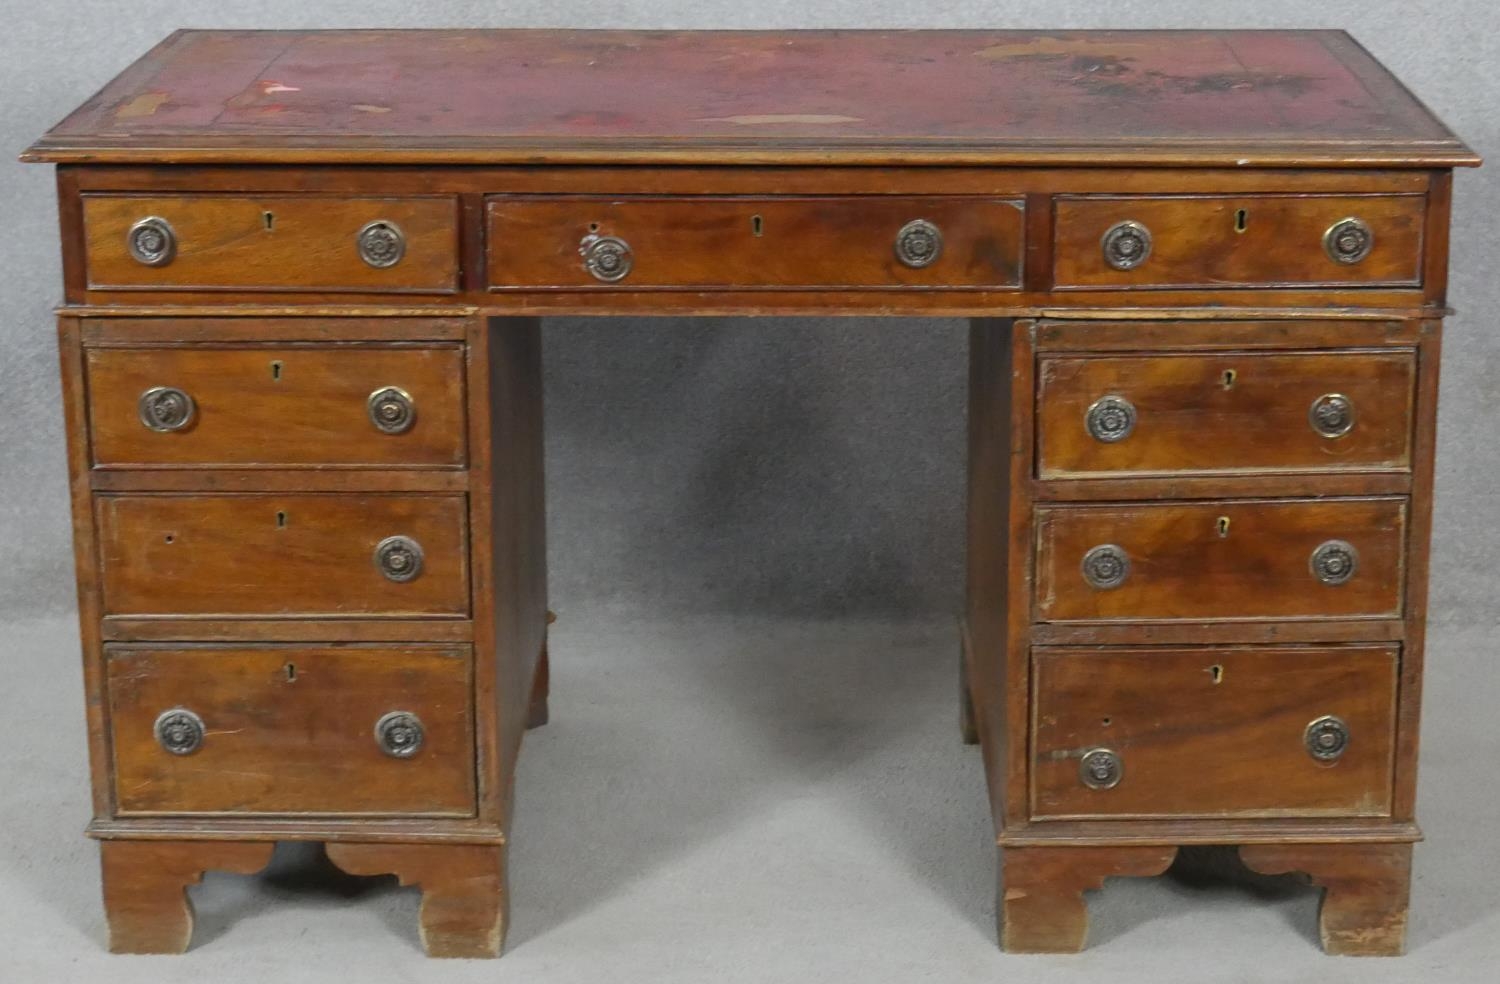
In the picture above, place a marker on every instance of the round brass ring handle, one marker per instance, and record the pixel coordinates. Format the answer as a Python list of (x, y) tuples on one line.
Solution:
[(179, 731), (1126, 245), (1348, 241), (399, 734), (1110, 419), (1331, 415), (1106, 566), (399, 558), (919, 243), (151, 241), (166, 408), (1101, 768), (1334, 562), (1326, 738), (392, 410), (607, 258), (381, 244)]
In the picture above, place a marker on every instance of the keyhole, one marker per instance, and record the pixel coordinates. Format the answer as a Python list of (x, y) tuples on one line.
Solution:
[(269, 219), (170, 538), (291, 673), (276, 370), (1229, 377), (1223, 525), (757, 225), (593, 227), (1216, 673), (280, 520), (1241, 220)]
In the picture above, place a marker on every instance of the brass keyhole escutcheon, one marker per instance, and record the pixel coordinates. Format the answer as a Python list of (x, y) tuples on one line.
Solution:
[(757, 225), (1222, 525), (1241, 220), (1230, 376), (276, 370)]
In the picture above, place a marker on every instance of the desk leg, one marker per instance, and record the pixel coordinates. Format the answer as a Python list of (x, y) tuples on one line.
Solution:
[(465, 903), (1366, 889), (146, 883), (1042, 909)]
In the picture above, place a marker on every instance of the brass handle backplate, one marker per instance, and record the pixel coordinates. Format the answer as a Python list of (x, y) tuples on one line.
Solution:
[(1348, 241), (1110, 419), (179, 731), (1334, 562), (1327, 738), (919, 243), (165, 408), (1101, 768), (399, 558), (1126, 245), (381, 244), (392, 410), (607, 258), (399, 734), (1331, 415), (1106, 566), (151, 241)]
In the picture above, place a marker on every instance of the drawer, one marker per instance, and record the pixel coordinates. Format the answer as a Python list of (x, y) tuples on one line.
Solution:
[(335, 555), (1291, 732), (280, 729), (281, 406), (1214, 241), (1189, 413), (1323, 558), (572, 242), (293, 243)]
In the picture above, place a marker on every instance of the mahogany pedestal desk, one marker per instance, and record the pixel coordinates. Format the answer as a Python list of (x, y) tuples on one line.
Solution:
[(303, 277)]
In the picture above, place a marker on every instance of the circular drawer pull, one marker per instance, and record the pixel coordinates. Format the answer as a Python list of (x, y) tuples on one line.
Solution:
[(381, 244), (1348, 241), (1334, 562), (399, 734), (1327, 738), (919, 243), (151, 241), (399, 558), (1331, 415), (1110, 419), (166, 408), (1106, 566), (1126, 245), (392, 410), (1101, 768), (179, 731), (607, 258)]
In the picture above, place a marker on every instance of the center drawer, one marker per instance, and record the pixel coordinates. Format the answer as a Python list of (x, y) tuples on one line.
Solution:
[(865, 242), (288, 405), (285, 729), (1243, 731), (334, 555), (1237, 559)]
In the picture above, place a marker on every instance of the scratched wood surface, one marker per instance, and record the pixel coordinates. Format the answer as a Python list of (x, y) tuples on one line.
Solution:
[(553, 95)]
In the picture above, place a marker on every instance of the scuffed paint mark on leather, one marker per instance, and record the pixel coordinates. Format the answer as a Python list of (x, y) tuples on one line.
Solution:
[(764, 119), (143, 105)]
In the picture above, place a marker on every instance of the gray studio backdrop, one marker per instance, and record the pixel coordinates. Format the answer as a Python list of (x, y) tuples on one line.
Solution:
[(810, 467)]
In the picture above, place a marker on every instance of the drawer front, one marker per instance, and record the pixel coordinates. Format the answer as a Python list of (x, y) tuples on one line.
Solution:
[(1184, 413), (722, 243), (284, 555), (292, 730), (250, 243), (1213, 732), (283, 406), (1326, 558), (1238, 241)]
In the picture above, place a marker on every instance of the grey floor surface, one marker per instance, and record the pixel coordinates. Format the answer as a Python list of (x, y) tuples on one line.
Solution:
[(747, 800)]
